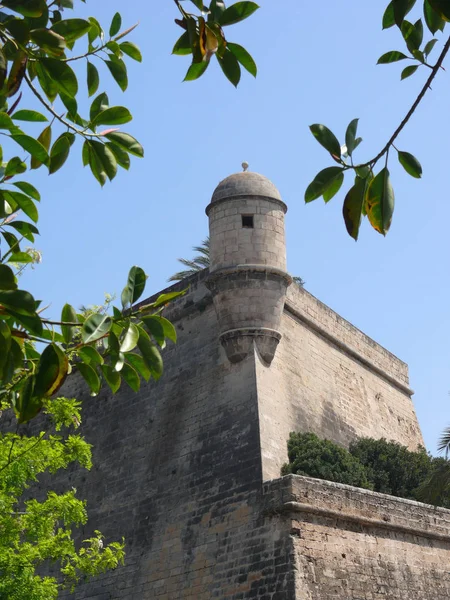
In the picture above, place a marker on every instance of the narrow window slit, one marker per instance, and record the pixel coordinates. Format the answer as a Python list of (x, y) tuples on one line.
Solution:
[(247, 221)]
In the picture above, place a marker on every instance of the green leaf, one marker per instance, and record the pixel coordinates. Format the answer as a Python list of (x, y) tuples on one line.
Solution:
[(27, 405), (3, 68), (62, 76), (327, 139), (217, 7), (333, 188), (131, 377), (15, 166), (68, 315), (122, 158), (353, 206), (237, 12), (408, 71), (116, 115), (196, 70), (19, 301), (412, 34), (5, 344), (163, 299), (396, 12), (321, 182), (27, 230), (131, 50), (7, 279), (182, 46), (118, 70), (155, 328), (95, 327), (130, 339), (28, 189), (380, 202), (51, 42), (27, 8), (72, 29), (139, 364), (20, 257), (23, 202), (19, 29), (32, 146), (52, 371), (150, 354), (16, 73), (135, 286), (46, 82), (127, 142), (93, 78), (243, 57), (45, 139), (441, 7), (99, 104), (7, 123), (410, 164), (116, 24), (433, 18), (102, 161), (112, 378), (350, 136), (90, 356), (59, 152), (29, 115), (91, 377), (390, 57), (230, 67), (169, 330), (429, 47)]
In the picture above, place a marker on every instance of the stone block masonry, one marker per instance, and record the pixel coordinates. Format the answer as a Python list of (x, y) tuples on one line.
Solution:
[(187, 470), (353, 544)]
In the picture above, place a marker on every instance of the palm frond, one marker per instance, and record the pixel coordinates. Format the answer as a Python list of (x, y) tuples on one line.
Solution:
[(198, 263), (444, 442), (436, 488), (180, 275)]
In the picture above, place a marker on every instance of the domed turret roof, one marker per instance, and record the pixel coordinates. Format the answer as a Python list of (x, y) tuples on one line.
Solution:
[(245, 183)]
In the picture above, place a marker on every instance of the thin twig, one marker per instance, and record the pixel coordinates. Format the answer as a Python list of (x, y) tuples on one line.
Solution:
[(54, 113), (411, 111), (40, 438)]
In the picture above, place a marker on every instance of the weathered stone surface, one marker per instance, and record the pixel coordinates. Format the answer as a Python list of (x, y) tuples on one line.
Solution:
[(355, 544), (187, 470)]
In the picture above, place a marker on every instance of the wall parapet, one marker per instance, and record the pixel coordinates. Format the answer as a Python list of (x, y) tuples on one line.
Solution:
[(295, 495), (304, 307)]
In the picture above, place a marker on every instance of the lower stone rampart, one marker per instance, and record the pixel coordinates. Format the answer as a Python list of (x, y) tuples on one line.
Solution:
[(353, 544)]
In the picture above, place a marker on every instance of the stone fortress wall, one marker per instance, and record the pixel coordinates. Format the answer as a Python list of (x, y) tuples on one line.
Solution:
[(188, 469)]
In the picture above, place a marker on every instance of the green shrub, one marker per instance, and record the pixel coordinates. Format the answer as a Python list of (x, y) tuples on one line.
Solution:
[(379, 465), (309, 455), (391, 467)]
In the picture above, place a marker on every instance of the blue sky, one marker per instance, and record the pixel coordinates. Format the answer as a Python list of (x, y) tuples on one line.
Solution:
[(315, 66)]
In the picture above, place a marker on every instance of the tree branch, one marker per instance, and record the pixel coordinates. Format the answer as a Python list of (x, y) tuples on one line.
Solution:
[(411, 111), (54, 113)]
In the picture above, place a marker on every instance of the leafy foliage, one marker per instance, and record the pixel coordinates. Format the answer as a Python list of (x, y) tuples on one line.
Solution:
[(37, 55), (34, 532), (379, 465), (371, 195), (309, 455), (204, 38)]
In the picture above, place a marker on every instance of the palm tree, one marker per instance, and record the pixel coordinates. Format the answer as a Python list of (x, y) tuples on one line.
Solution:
[(201, 261), (198, 263)]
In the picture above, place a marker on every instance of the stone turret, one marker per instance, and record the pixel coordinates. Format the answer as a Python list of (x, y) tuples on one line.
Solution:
[(248, 276)]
